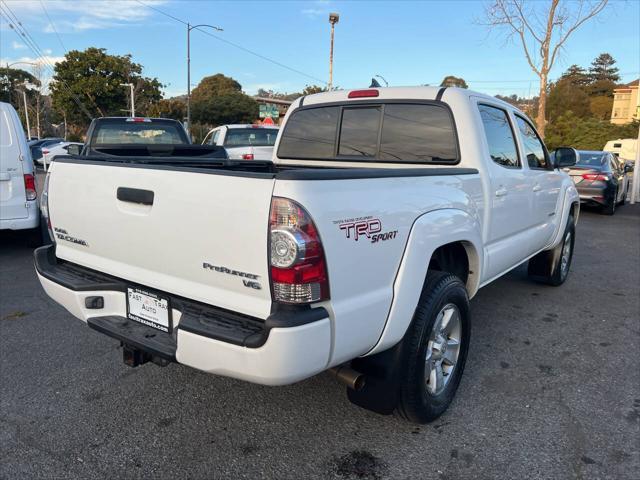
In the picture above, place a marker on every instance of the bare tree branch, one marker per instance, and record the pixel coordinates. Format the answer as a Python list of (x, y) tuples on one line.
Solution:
[(579, 21), (537, 37)]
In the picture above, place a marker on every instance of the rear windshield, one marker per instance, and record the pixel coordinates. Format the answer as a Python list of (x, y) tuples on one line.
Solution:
[(138, 133), (251, 137), (392, 132), (591, 159)]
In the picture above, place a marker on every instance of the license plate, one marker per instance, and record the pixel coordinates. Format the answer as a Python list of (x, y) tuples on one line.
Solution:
[(148, 308)]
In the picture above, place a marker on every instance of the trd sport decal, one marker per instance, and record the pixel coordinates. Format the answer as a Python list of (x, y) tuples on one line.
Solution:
[(369, 227)]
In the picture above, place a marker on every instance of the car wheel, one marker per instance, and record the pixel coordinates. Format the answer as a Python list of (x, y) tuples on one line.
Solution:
[(436, 348), (610, 208), (552, 266)]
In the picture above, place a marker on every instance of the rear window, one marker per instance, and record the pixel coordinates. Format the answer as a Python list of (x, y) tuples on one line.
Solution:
[(138, 133), (391, 132), (591, 159), (251, 137)]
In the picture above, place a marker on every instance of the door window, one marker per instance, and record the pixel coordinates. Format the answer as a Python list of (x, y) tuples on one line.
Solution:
[(534, 150), (500, 138)]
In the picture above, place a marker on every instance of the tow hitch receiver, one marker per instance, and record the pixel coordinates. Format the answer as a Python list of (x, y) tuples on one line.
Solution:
[(134, 357)]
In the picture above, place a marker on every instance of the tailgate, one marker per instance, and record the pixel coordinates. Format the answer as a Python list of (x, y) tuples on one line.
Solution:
[(202, 236)]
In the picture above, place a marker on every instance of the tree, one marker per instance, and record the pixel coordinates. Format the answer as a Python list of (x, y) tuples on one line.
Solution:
[(602, 68), (234, 107), (213, 86), (541, 40), (576, 76), (311, 89), (169, 108), (586, 133), (601, 107), (89, 83), (11, 79), (453, 81), (564, 96)]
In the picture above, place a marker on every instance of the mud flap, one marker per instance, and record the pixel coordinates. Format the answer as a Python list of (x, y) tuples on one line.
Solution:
[(383, 373)]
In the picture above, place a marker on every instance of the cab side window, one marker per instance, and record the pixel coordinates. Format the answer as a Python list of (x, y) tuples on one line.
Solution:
[(534, 150), (500, 138)]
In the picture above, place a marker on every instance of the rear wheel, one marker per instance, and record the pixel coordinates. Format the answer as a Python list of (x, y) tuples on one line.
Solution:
[(610, 208), (437, 344), (552, 266)]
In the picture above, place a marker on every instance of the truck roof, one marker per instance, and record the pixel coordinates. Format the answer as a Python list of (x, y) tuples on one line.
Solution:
[(398, 93)]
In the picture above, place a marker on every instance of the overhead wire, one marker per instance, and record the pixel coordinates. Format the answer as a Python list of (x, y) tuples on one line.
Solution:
[(233, 44), (20, 30)]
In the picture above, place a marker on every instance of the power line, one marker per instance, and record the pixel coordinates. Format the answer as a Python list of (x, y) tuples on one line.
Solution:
[(235, 45), (53, 26), (22, 32)]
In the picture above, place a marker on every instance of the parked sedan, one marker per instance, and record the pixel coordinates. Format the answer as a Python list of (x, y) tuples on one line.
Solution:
[(58, 149), (601, 180), (246, 142)]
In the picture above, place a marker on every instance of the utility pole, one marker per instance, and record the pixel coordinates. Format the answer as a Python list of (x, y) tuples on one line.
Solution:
[(26, 114), (189, 28), (133, 105), (38, 115), (64, 116), (333, 19)]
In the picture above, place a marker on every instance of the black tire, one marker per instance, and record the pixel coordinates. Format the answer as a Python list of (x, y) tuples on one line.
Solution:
[(546, 267), (417, 404), (610, 208)]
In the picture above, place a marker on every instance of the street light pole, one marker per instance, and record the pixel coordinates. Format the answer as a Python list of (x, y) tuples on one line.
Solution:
[(133, 102), (333, 19), (26, 114), (189, 28)]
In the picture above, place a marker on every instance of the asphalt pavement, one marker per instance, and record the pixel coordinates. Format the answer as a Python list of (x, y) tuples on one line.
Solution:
[(551, 390)]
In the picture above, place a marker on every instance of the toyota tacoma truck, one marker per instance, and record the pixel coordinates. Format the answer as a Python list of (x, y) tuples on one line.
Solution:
[(355, 250)]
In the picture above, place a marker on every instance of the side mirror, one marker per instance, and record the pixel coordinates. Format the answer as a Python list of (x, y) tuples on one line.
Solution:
[(565, 157), (74, 149)]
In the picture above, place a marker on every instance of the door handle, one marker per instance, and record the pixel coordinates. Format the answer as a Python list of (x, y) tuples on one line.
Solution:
[(537, 188), (135, 195), (501, 192)]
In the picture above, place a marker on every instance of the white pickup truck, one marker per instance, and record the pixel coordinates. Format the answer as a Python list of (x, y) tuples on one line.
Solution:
[(355, 250)]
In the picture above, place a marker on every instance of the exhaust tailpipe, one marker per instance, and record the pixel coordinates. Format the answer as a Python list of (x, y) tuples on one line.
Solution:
[(349, 377)]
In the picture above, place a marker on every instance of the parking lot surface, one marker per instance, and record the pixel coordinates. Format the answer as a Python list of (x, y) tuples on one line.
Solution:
[(551, 390)]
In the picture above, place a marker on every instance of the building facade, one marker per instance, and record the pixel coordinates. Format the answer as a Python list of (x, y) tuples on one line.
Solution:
[(625, 104)]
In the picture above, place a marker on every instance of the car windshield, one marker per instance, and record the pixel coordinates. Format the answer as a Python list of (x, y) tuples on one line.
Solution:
[(591, 159), (254, 137), (138, 133)]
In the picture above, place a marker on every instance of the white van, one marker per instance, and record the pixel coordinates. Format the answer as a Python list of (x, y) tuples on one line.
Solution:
[(626, 148), (18, 196)]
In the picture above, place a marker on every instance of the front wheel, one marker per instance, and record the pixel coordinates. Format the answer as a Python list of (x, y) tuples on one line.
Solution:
[(437, 344)]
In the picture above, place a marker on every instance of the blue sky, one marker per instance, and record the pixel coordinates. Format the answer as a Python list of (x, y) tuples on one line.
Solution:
[(408, 43)]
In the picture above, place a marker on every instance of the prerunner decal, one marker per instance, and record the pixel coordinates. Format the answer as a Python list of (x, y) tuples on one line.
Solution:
[(367, 227)]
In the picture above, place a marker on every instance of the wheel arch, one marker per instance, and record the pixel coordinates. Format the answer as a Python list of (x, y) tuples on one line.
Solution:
[(451, 234)]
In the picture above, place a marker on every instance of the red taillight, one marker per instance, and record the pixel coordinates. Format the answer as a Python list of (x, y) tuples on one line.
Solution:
[(247, 156), (298, 267), (364, 93), (30, 187), (595, 177), (45, 151)]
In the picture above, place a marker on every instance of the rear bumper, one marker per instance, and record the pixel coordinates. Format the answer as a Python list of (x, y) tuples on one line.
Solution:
[(32, 220), (288, 346), (599, 195)]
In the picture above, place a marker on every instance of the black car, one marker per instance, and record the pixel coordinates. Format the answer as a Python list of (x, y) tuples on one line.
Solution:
[(601, 180)]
